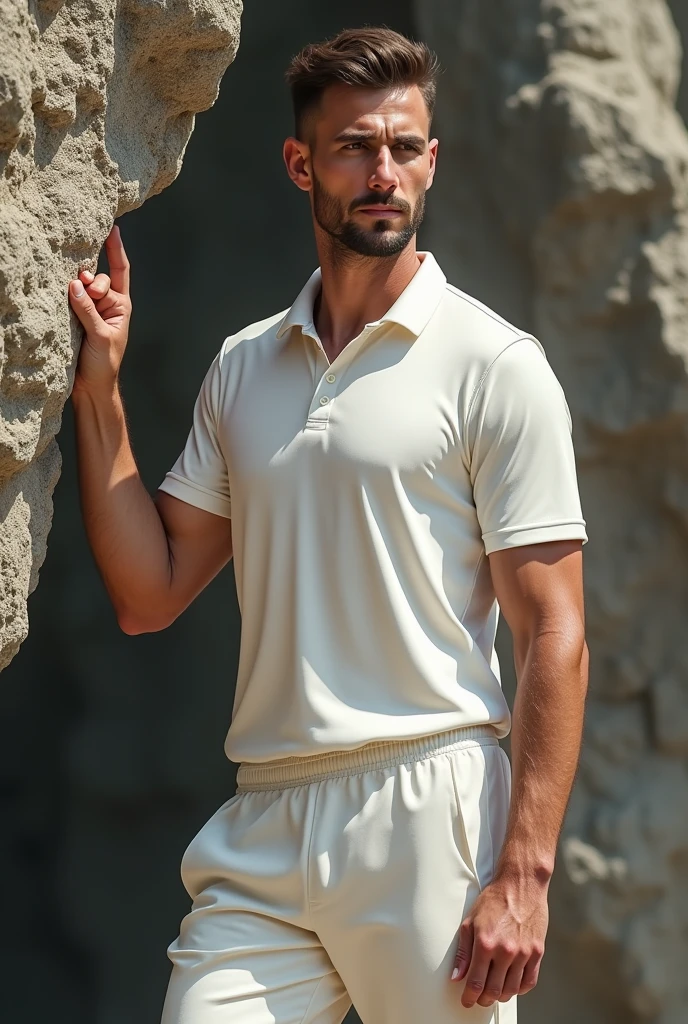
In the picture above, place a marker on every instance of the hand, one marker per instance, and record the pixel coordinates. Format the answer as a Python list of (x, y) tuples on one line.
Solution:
[(104, 308), (502, 941)]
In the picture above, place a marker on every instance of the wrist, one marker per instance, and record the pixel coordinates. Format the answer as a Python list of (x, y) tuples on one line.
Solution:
[(525, 866)]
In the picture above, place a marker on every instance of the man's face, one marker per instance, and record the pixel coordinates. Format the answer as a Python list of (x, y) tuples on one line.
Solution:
[(367, 165)]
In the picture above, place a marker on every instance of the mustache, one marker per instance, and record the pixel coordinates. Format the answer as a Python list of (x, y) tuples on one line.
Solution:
[(375, 199)]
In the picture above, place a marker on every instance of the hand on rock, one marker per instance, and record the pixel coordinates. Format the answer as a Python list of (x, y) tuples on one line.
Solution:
[(103, 306)]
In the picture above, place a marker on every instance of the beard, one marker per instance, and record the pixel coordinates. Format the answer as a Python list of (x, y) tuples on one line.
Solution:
[(380, 239)]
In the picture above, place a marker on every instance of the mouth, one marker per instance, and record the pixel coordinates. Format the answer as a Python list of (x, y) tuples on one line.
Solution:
[(379, 211)]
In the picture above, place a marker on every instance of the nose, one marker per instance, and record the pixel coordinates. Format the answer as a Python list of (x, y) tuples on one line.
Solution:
[(384, 174)]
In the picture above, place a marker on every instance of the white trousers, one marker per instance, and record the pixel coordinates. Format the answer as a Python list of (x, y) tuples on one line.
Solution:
[(338, 878)]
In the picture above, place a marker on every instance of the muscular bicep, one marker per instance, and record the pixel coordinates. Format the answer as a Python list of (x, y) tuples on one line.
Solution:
[(200, 544), (539, 588)]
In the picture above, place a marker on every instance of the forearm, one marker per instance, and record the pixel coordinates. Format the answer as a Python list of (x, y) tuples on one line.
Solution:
[(124, 529), (552, 671)]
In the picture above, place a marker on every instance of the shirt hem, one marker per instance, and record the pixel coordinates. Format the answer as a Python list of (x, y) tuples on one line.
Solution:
[(298, 771), (570, 529), (193, 494)]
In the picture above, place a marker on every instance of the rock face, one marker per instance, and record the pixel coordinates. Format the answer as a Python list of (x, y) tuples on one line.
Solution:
[(566, 209), (97, 103)]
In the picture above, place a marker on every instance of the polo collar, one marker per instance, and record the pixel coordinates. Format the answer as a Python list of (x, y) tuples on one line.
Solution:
[(412, 310)]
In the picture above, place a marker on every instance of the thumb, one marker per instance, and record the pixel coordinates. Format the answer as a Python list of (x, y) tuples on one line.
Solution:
[(464, 952), (84, 307)]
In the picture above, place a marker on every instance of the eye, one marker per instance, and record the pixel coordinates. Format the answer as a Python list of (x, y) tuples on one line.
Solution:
[(408, 146), (352, 145)]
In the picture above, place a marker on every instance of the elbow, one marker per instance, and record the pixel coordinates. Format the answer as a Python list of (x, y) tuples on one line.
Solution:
[(568, 640), (134, 623), (132, 626)]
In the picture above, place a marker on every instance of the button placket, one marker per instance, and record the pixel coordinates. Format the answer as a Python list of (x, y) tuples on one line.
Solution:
[(326, 390), (318, 413)]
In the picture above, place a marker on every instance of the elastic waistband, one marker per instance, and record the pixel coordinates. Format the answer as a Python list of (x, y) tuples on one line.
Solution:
[(300, 771)]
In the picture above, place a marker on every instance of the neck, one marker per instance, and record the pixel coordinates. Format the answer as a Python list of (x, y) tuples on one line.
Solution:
[(357, 290)]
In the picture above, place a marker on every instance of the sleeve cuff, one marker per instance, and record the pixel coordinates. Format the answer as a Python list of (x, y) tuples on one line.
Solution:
[(537, 533), (193, 494)]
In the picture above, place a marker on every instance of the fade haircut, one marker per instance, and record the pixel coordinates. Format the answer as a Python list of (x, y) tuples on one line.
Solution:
[(370, 58)]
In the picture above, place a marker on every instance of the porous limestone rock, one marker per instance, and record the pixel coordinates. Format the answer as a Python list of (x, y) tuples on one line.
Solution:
[(566, 209), (97, 103)]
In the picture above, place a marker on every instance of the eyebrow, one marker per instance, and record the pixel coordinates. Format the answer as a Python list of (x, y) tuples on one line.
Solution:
[(360, 136)]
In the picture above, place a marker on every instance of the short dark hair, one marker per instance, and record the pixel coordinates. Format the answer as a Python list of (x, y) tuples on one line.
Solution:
[(369, 57)]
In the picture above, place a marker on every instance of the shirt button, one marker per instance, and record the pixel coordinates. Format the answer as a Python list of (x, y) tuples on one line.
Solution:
[(330, 378), (324, 400)]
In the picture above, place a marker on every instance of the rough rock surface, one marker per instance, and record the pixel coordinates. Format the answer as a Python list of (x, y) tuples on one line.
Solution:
[(97, 103), (567, 211)]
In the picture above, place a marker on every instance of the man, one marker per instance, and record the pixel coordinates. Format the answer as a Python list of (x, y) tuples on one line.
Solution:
[(389, 462)]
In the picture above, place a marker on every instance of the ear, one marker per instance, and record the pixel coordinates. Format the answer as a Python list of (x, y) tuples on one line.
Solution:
[(297, 159), (433, 146)]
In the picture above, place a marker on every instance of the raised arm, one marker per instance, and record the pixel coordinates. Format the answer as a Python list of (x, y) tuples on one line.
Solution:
[(154, 556)]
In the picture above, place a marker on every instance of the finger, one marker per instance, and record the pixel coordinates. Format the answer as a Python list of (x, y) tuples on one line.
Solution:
[(514, 977), (86, 276), (117, 261), (84, 308), (494, 982), (476, 975), (99, 286), (112, 299), (464, 952), (530, 974)]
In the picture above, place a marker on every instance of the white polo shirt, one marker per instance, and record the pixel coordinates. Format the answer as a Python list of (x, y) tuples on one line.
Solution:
[(365, 496)]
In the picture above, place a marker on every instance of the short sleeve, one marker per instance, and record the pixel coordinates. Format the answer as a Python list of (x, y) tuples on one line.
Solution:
[(521, 454), (199, 476)]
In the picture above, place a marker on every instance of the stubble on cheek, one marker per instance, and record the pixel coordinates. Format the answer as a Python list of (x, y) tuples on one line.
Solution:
[(378, 239)]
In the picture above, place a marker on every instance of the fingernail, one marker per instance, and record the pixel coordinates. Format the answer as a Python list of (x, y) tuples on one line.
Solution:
[(455, 974), (77, 289)]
